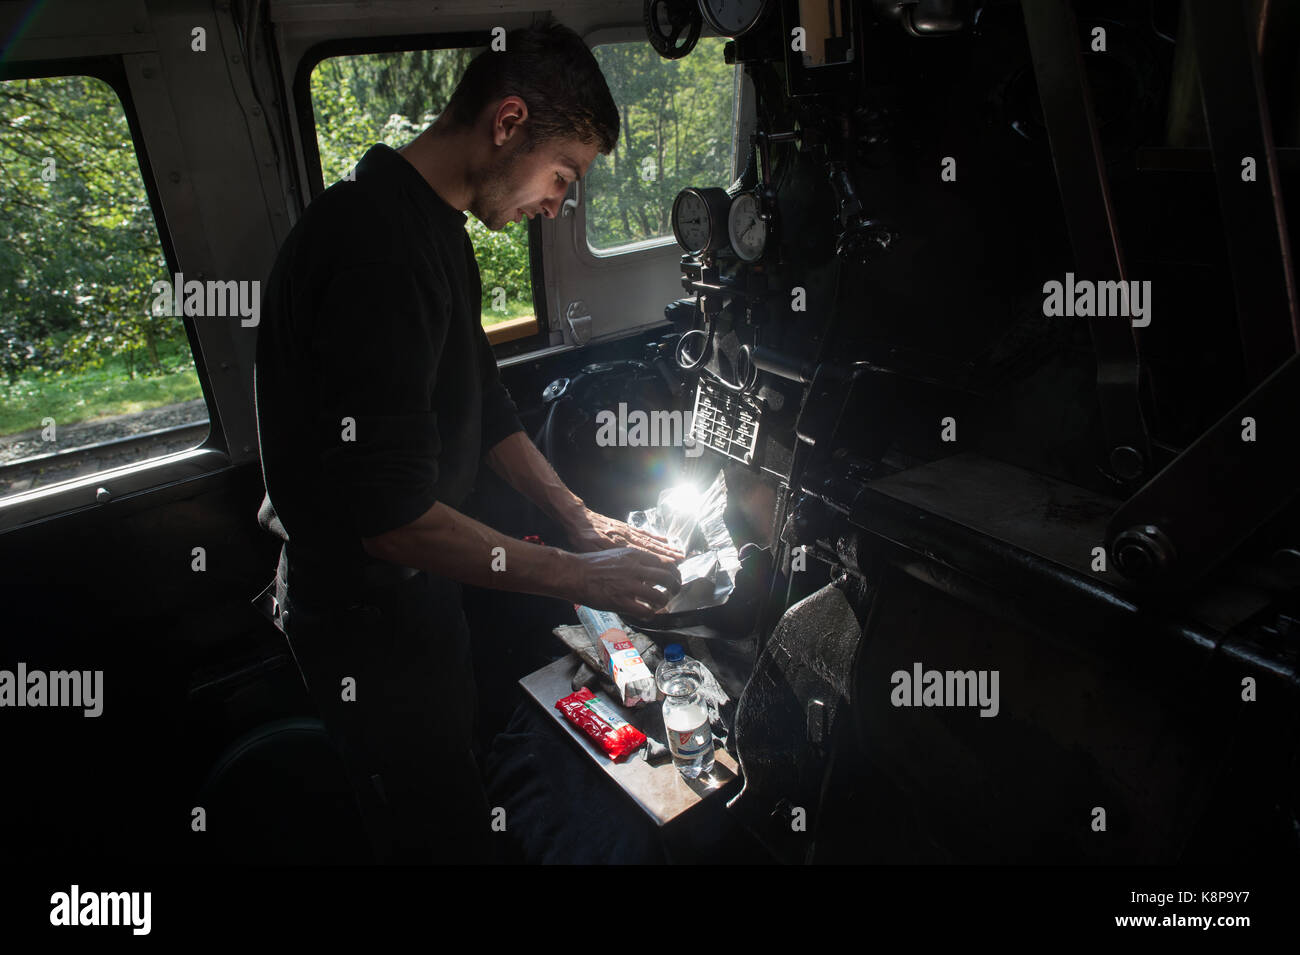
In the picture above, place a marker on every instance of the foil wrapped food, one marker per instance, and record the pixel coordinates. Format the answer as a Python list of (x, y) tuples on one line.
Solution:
[(692, 521)]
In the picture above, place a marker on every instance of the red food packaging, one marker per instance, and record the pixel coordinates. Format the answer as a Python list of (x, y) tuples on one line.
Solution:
[(597, 719)]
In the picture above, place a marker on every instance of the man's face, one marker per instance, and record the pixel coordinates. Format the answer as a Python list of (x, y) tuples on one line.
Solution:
[(520, 184)]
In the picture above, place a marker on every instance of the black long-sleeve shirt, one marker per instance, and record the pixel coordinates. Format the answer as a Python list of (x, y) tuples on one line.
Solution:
[(377, 391)]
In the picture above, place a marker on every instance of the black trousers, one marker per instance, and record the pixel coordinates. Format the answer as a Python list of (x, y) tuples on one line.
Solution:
[(392, 678)]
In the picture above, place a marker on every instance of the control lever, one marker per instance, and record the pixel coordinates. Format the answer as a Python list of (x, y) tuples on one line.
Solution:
[(666, 367), (864, 239)]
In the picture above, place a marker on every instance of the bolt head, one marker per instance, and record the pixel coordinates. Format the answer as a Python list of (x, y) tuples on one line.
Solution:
[(1126, 463), (1143, 552)]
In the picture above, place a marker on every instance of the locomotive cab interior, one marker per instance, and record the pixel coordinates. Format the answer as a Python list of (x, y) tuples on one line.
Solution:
[(983, 311)]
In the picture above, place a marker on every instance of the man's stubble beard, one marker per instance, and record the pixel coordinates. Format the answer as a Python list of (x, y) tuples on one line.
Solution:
[(493, 185)]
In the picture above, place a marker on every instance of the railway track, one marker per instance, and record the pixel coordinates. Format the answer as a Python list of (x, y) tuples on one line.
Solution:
[(42, 470)]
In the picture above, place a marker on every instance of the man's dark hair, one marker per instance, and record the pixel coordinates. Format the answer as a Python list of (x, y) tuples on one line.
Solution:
[(551, 69)]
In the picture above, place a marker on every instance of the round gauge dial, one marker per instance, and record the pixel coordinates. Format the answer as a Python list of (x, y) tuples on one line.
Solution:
[(732, 17), (700, 219), (745, 230), (691, 221)]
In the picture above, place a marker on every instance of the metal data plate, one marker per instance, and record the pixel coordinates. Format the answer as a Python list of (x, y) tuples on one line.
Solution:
[(661, 791), (726, 422)]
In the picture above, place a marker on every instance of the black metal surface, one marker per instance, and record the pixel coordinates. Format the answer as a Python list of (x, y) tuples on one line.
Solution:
[(778, 363), (1254, 219), (1210, 498), (1090, 217), (1020, 546), (789, 714), (926, 18), (1073, 730)]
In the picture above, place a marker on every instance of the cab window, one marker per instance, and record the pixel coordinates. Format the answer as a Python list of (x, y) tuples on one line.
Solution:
[(92, 377), (678, 122)]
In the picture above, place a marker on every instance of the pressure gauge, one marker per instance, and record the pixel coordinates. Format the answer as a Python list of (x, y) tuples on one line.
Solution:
[(732, 17), (700, 219), (746, 230)]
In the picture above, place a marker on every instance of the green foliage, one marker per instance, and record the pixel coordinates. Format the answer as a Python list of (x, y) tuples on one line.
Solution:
[(378, 98), (677, 132), (79, 248), (502, 262)]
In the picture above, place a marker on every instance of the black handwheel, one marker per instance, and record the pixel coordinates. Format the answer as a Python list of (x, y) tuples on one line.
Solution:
[(666, 21)]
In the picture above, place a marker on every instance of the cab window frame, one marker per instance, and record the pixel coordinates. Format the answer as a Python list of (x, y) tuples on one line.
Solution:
[(70, 496)]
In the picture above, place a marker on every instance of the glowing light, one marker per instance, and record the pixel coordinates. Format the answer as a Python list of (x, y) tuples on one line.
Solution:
[(685, 500)]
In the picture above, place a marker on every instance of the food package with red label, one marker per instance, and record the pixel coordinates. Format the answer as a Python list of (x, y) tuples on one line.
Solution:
[(617, 737), (623, 663)]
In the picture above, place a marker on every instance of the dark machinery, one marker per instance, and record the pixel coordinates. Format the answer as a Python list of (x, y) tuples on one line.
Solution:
[(1096, 508), (993, 336)]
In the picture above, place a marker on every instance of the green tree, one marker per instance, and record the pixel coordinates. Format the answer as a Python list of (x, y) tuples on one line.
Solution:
[(677, 132), (79, 246)]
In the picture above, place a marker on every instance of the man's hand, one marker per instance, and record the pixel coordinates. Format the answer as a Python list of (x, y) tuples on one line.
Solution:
[(611, 567), (623, 580), (522, 466), (589, 531)]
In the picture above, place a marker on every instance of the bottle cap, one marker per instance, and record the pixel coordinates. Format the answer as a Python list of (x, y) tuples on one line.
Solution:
[(673, 652)]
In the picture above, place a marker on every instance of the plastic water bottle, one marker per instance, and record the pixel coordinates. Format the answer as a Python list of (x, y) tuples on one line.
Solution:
[(686, 718)]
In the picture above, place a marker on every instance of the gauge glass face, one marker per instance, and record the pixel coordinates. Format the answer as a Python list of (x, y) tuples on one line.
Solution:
[(747, 232), (733, 17), (692, 223)]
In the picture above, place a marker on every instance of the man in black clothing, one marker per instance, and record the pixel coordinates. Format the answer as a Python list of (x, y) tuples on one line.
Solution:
[(377, 398)]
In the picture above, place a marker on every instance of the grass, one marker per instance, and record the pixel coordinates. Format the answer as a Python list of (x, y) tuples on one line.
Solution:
[(70, 397), (514, 309), (94, 393)]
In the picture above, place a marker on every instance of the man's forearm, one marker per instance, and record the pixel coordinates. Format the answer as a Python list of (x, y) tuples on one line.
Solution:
[(448, 543), (525, 469)]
